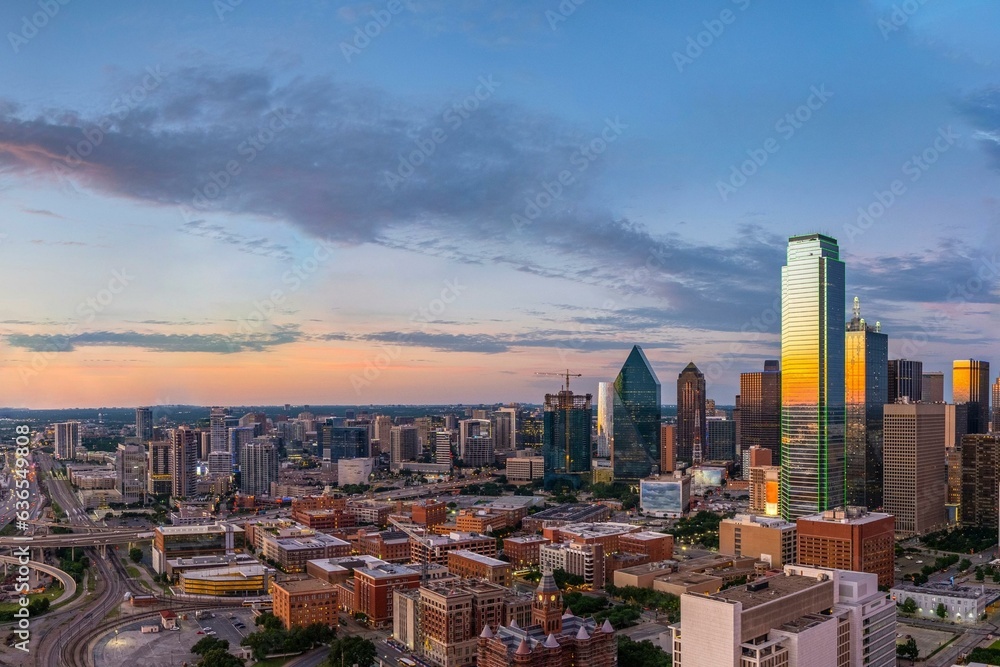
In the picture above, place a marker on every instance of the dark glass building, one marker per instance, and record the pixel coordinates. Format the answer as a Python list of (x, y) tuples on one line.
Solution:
[(866, 373), (721, 441), (906, 379), (636, 420), (760, 410), (970, 383), (566, 438), (341, 442), (691, 416)]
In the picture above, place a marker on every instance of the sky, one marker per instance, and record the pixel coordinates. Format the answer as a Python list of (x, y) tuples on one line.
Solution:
[(421, 201)]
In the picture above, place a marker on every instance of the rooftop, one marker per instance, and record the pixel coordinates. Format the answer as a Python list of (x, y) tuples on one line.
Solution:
[(776, 588), (479, 558), (591, 530), (849, 515), (199, 529), (304, 586), (385, 571), (944, 589), (569, 512), (343, 563)]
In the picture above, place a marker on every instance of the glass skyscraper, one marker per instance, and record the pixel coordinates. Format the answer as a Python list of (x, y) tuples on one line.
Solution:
[(692, 432), (760, 410), (812, 377), (970, 383), (566, 438), (866, 392), (636, 420)]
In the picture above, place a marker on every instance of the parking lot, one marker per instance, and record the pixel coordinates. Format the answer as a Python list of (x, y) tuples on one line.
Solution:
[(129, 647)]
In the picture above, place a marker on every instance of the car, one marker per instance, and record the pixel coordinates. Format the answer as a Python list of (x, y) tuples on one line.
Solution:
[(909, 557), (200, 632)]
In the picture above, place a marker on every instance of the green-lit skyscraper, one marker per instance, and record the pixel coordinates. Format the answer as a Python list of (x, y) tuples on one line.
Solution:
[(636, 422), (566, 439), (812, 377)]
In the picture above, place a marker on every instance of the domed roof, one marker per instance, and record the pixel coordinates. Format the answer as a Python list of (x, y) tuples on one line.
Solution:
[(523, 649)]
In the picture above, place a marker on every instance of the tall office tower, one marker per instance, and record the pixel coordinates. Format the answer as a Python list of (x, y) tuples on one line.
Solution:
[(933, 387), (442, 446), (691, 415), (67, 440), (970, 383), (423, 425), (721, 441), (159, 478), (258, 467), (605, 418), (709, 407), (383, 425), (995, 425), (980, 476), (760, 409), (636, 419), (402, 445), (754, 457), (238, 437), (764, 483), (668, 448), (905, 381), (505, 429), (866, 352), (204, 445), (130, 471), (183, 460), (566, 439), (346, 442), (143, 424), (219, 436), (916, 480), (812, 377), (475, 442)]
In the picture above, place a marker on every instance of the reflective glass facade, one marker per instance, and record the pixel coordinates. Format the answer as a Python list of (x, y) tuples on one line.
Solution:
[(812, 377), (970, 383), (760, 410), (566, 441), (866, 391), (636, 421), (691, 414)]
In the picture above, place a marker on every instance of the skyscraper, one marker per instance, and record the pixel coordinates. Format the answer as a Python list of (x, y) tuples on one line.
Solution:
[(605, 418), (130, 470), (906, 379), (636, 420), (184, 461), (258, 467), (566, 438), (916, 480), (760, 409), (67, 439), (720, 443), (866, 352), (996, 406), (691, 417), (143, 424), (402, 445), (812, 377), (980, 479), (970, 383), (159, 479), (343, 442), (219, 440), (933, 387), (668, 448), (238, 437), (505, 429)]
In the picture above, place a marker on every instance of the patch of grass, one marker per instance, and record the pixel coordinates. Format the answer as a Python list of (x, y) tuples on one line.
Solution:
[(133, 571), (52, 593)]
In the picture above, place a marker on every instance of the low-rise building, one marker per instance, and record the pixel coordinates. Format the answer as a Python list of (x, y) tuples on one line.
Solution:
[(218, 539), (770, 539), (584, 560), (435, 548), (302, 602), (229, 580), (429, 512), (525, 469), (291, 548), (523, 551), (373, 589), (469, 565), (962, 604), (392, 546), (565, 514)]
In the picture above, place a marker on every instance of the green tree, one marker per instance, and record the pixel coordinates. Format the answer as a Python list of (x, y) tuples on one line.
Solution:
[(268, 621), (908, 650), (909, 606), (941, 610), (352, 650), (135, 553), (965, 564), (219, 658), (206, 644), (980, 575), (644, 653)]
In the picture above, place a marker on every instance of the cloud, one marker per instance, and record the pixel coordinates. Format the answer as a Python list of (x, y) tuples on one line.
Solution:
[(43, 212), (496, 344), (982, 109), (257, 245), (155, 342)]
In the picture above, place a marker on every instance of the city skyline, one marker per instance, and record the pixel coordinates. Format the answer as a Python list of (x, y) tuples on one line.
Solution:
[(157, 262)]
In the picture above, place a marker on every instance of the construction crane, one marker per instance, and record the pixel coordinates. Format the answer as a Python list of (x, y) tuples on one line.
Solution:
[(426, 540), (567, 375)]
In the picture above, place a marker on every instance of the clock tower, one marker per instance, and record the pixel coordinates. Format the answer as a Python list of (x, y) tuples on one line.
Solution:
[(547, 607)]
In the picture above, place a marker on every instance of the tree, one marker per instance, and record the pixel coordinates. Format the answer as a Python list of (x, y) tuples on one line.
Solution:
[(965, 564), (908, 650), (980, 575), (268, 621), (206, 644), (941, 610), (909, 606), (352, 650), (220, 658), (135, 553), (644, 653)]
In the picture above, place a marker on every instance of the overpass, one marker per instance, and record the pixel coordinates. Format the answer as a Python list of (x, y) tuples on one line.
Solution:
[(68, 583), (102, 539)]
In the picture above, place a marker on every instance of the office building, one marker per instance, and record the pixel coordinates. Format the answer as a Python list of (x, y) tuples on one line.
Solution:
[(666, 496), (225, 580), (995, 422), (402, 445), (218, 435), (636, 419), (553, 638), (160, 481), (505, 429), (143, 424), (755, 457), (970, 384), (980, 477), (469, 565), (435, 548), (691, 417), (259, 467), (760, 409), (67, 440), (373, 588), (354, 471), (964, 605), (292, 547), (475, 442), (764, 484), (442, 439), (583, 560), (769, 539), (803, 617), (130, 471), (183, 461), (566, 444), (668, 448), (916, 477), (238, 437), (525, 468), (172, 542), (334, 443), (605, 418), (933, 387), (812, 377), (300, 603), (905, 381), (523, 552), (849, 538), (866, 353), (429, 512), (720, 444)]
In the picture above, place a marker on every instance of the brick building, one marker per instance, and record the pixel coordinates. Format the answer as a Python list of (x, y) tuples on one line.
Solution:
[(523, 551), (469, 565), (304, 602), (849, 538), (429, 512)]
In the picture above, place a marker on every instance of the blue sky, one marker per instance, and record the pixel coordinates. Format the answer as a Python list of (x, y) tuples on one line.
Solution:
[(298, 214)]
